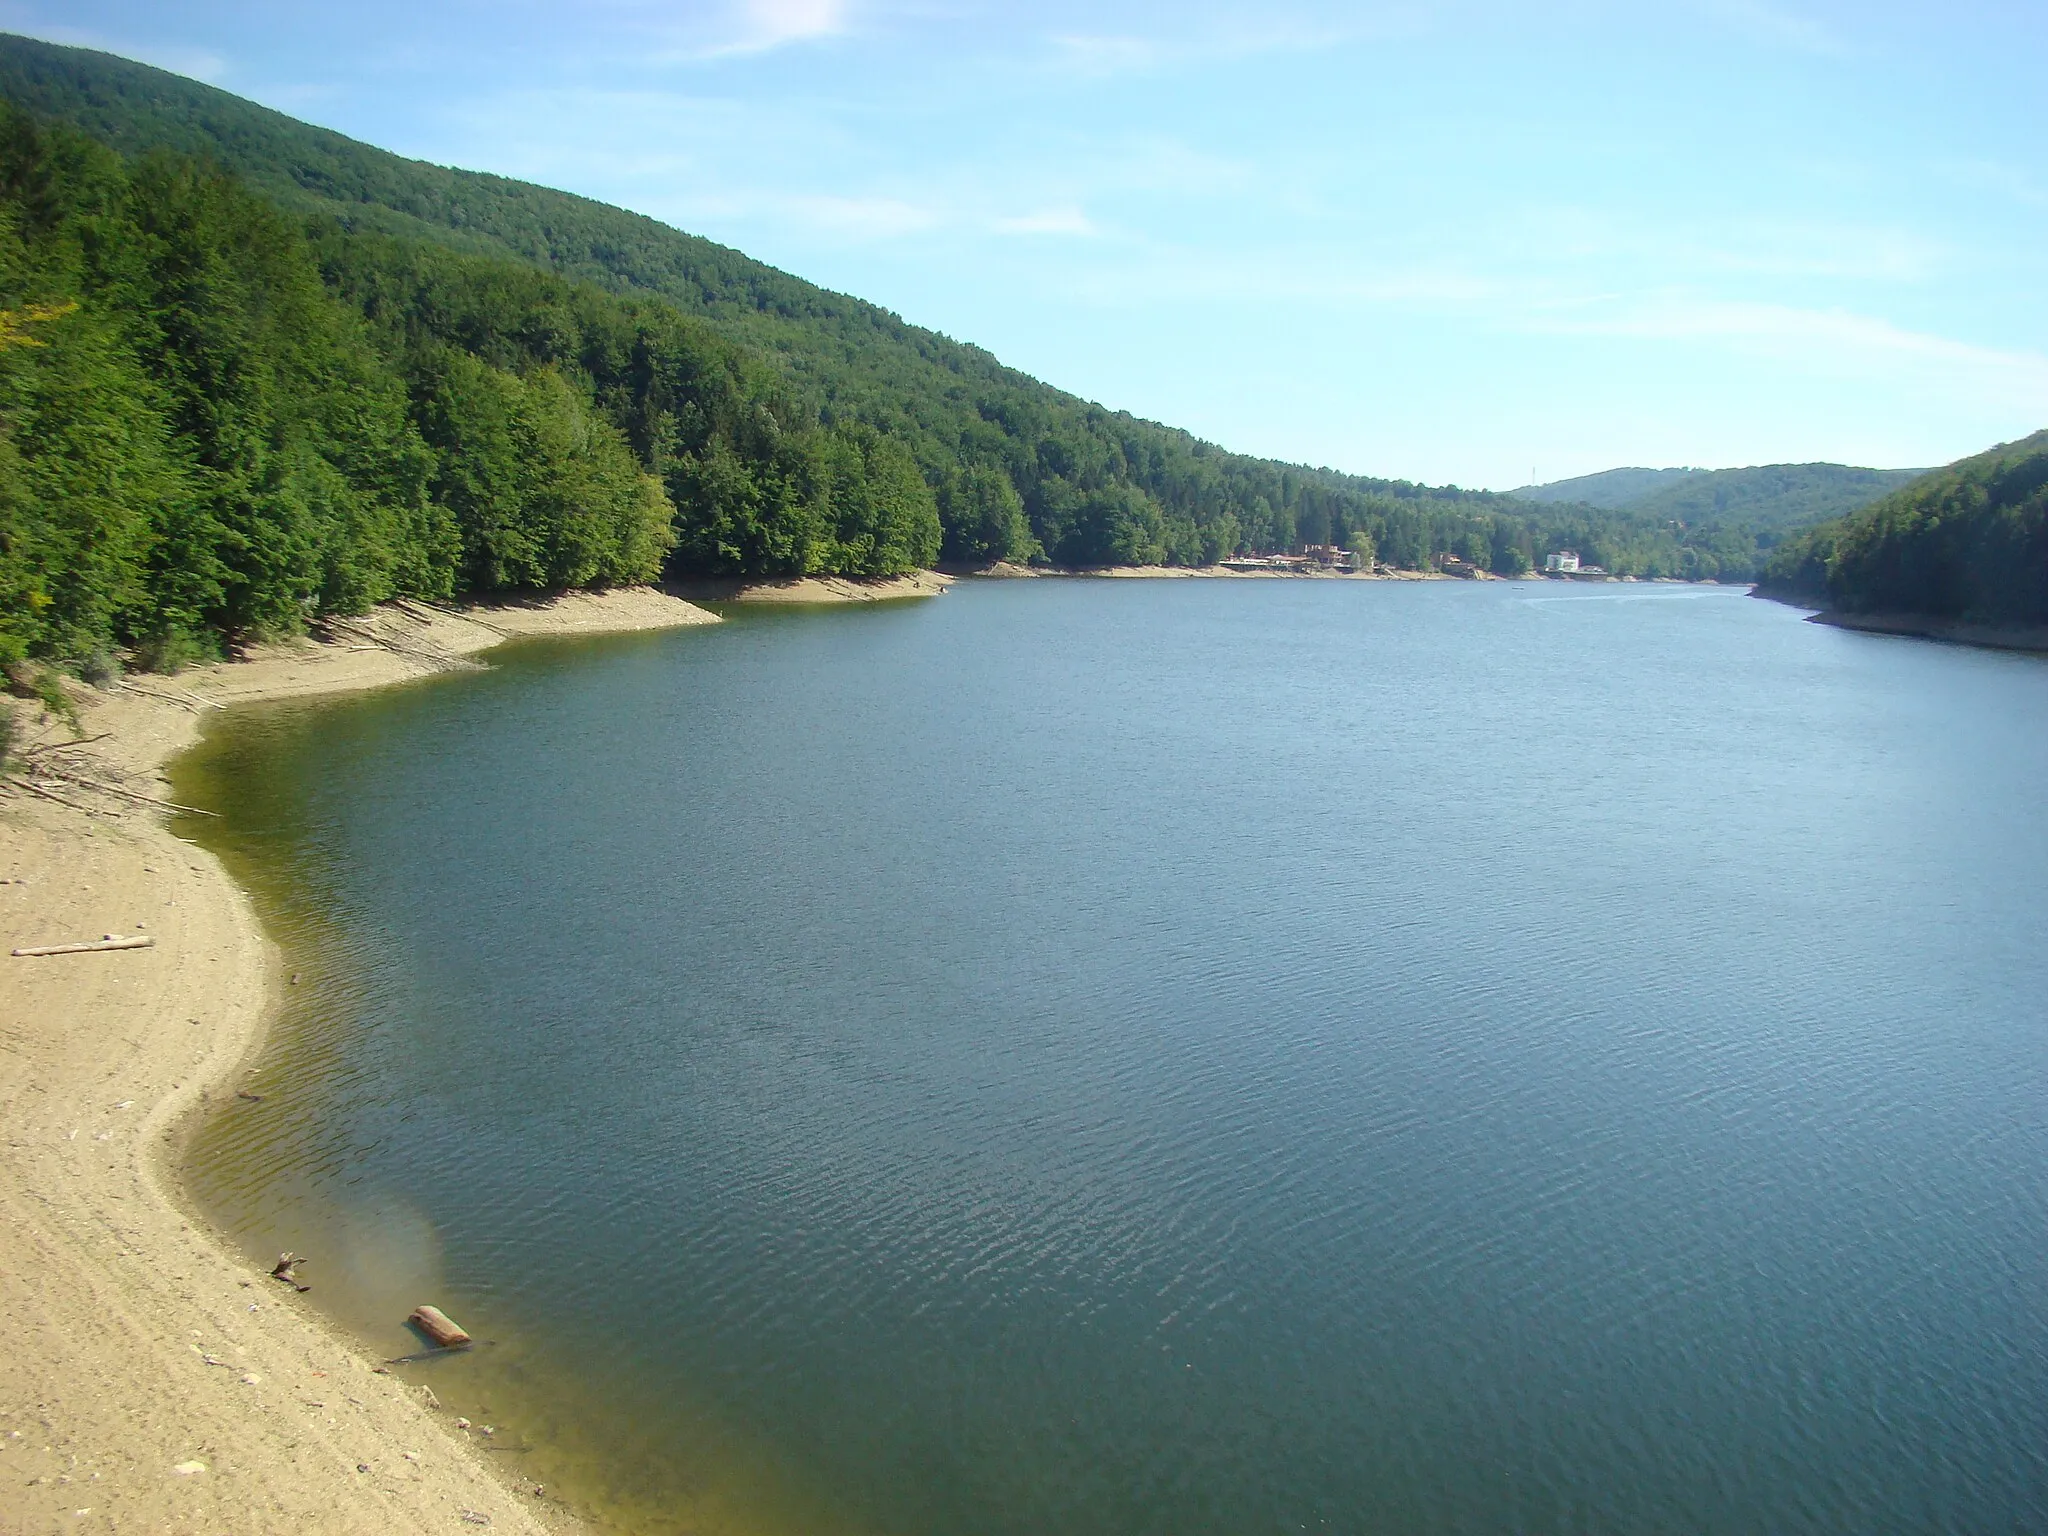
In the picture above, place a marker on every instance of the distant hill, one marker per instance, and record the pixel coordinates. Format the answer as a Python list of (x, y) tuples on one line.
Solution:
[(1773, 498), (1611, 488), (1965, 543)]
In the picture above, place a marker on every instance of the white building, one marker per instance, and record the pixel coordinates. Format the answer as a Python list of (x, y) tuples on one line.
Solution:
[(1565, 561)]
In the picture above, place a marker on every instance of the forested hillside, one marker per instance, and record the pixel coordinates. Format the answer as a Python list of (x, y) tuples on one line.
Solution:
[(1969, 542), (1094, 486), (252, 372), (216, 421)]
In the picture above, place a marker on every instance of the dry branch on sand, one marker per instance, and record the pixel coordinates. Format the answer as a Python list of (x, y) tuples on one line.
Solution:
[(87, 947)]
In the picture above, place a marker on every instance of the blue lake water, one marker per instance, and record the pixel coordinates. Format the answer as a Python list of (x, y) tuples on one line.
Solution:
[(1153, 1057)]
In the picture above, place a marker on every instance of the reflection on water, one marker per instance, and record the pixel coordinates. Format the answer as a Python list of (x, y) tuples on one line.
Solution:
[(1125, 1057)]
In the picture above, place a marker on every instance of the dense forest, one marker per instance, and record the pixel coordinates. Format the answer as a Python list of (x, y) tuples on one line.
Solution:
[(1969, 542), (252, 371), (217, 421)]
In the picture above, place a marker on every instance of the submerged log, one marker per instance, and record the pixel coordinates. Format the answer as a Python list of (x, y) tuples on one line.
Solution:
[(434, 1323), (97, 945)]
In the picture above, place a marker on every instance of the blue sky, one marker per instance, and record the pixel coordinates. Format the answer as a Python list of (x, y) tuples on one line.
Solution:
[(1458, 242)]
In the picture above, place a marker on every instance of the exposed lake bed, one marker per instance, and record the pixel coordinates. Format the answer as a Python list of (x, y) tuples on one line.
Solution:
[(152, 1379), (1139, 1056)]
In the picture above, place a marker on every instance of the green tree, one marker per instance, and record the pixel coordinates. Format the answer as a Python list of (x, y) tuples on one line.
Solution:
[(984, 518)]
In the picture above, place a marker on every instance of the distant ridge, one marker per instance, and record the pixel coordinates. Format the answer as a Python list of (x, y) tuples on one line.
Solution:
[(1610, 488), (1774, 498)]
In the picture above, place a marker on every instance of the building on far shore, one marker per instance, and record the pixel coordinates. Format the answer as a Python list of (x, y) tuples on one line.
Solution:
[(1313, 557), (1566, 563)]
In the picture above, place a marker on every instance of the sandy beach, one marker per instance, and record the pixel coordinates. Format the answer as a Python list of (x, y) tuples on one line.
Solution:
[(154, 1382), (819, 589)]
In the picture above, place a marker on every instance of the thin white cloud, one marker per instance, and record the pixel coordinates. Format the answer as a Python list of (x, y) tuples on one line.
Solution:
[(1229, 35), (844, 220), (1094, 55), (1047, 221), (1286, 277), (751, 27), (1831, 340), (1735, 244), (1777, 26), (866, 218), (773, 23), (2001, 178)]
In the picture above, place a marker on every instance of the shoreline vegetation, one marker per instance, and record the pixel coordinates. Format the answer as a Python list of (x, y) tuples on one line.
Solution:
[(156, 1380)]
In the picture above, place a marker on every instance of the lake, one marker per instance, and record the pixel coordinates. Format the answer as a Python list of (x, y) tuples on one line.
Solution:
[(1166, 1056)]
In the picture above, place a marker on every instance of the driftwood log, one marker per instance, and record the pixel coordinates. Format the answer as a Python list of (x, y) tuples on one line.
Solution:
[(141, 941), (434, 1323)]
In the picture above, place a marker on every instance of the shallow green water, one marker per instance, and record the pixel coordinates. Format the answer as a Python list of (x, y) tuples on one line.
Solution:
[(1154, 1057)]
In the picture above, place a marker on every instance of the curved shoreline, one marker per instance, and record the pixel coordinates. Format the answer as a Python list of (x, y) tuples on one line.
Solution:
[(1913, 626), (156, 1381), (1994, 637)]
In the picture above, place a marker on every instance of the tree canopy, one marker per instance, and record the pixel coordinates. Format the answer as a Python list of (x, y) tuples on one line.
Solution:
[(1966, 542)]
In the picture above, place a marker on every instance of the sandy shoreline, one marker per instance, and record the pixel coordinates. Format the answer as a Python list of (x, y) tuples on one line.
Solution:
[(1008, 571), (818, 589), (154, 1382)]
